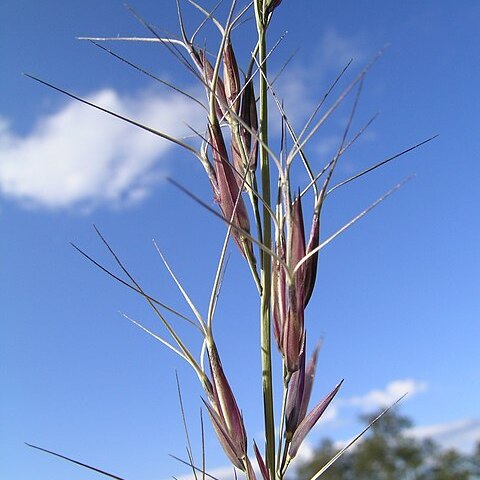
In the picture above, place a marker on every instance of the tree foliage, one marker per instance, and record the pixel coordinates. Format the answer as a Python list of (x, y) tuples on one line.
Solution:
[(389, 453)]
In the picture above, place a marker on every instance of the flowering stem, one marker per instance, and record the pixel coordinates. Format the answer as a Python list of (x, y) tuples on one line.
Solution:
[(266, 267), (280, 430), (285, 460)]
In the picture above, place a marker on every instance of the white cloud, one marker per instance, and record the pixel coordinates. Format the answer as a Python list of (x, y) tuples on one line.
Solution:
[(305, 453), (370, 401), (461, 434), (79, 157), (330, 415), (383, 398), (220, 473)]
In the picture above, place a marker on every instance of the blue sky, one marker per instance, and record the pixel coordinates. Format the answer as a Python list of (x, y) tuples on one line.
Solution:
[(397, 295)]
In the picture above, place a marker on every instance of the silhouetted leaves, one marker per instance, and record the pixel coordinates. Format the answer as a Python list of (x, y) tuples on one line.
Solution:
[(388, 453)]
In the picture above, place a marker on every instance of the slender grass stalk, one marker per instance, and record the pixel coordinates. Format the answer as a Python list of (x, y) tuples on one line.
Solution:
[(288, 259), (266, 263)]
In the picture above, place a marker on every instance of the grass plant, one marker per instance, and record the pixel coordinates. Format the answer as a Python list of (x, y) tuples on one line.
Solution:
[(266, 215)]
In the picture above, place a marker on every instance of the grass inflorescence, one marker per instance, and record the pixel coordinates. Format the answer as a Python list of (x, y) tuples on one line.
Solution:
[(277, 234)]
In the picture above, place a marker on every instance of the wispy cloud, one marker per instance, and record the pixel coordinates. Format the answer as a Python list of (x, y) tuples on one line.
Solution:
[(220, 473), (79, 157), (305, 454), (380, 398), (460, 434), (369, 402)]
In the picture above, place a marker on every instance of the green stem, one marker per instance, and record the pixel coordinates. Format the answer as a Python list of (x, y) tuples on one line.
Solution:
[(254, 202), (280, 430), (266, 261), (285, 461)]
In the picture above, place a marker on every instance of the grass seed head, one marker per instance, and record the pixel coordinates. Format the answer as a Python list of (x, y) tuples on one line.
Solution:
[(279, 304), (261, 463), (207, 72), (309, 422), (231, 78), (249, 116), (296, 388), (292, 340), (225, 414), (299, 392), (310, 266), (298, 249), (231, 201)]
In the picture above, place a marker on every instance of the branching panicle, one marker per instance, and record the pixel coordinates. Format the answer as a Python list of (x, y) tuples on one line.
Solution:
[(280, 238)]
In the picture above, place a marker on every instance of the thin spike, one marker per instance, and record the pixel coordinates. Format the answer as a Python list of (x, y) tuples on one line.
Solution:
[(343, 150), (205, 20), (344, 449), (190, 458), (284, 66), (334, 163), (123, 282), (180, 287), (217, 280), (148, 74), (352, 222), (336, 104), (156, 337), (218, 215), (202, 435), (132, 39), (377, 165), (172, 47), (163, 135), (191, 360), (294, 137), (178, 459), (324, 98), (209, 15), (116, 257), (180, 21), (184, 422), (310, 420), (261, 463), (220, 284), (76, 462)]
